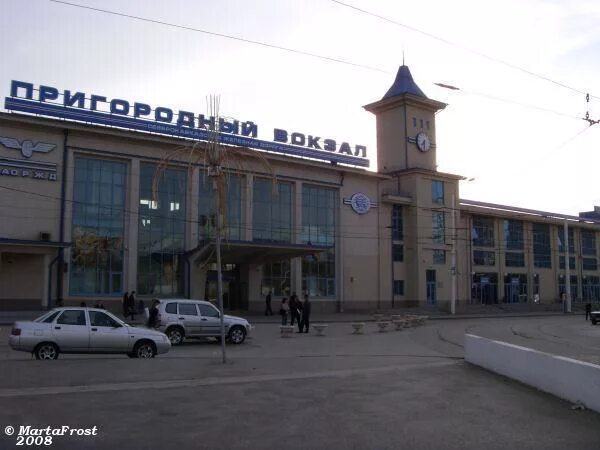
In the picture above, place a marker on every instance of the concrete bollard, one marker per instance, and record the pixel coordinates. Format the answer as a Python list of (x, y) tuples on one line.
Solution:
[(358, 327), (320, 328), (382, 326), (286, 330)]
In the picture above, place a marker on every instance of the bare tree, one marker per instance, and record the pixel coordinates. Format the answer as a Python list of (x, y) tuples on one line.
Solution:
[(218, 161)]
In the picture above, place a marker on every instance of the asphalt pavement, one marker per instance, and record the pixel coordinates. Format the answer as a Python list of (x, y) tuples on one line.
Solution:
[(405, 389)]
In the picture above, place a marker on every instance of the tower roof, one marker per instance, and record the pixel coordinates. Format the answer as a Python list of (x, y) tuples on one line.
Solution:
[(404, 84)]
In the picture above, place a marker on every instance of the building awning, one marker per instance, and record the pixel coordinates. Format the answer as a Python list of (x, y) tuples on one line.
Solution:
[(33, 243), (249, 252)]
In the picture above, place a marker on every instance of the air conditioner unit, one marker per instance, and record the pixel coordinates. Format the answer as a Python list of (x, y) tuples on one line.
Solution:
[(44, 236)]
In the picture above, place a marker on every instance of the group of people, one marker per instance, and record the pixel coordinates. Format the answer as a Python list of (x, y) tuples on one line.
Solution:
[(298, 311)]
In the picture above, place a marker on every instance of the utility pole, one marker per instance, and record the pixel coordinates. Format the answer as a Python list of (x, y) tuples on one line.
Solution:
[(453, 257), (567, 305)]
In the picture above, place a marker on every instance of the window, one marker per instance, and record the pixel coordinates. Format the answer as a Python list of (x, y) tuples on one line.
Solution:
[(588, 243), (171, 308), (188, 309), (561, 260), (398, 287), (161, 230), (48, 319), (414, 121), (439, 256), (100, 319), (513, 234), (397, 223), (208, 310), (590, 288), (482, 231), (72, 317), (232, 225), (438, 227), (515, 259), (98, 227), (513, 238), (276, 278), (437, 191), (398, 252), (272, 211), (589, 264), (484, 258), (542, 254), (319, 212), (562, 288), (561, 236)]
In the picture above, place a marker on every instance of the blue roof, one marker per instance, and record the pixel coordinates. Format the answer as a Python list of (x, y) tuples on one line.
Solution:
[(404, 84)]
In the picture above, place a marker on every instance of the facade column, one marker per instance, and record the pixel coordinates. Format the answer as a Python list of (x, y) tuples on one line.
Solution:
[(131, 233), (248, 208), (296, 263), (192, 225)]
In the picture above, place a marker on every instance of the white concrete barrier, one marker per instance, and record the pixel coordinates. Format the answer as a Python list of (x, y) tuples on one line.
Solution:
[(569, 379)]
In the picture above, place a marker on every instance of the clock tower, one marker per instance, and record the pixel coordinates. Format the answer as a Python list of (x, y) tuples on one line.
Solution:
[(405, 126)]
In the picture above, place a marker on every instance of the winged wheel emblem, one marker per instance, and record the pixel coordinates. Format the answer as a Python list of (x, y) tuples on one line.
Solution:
[(26, 147)]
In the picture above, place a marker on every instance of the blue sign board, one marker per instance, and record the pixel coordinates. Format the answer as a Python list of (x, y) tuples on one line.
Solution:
[(49, 101)]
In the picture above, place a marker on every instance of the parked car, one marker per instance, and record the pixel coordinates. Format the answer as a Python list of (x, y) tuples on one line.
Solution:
[(595, 317), (85, 330), (180, 319)]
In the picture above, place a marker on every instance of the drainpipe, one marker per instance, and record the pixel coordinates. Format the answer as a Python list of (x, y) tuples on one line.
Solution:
[(188, 276), (61, 231), (50, 281)]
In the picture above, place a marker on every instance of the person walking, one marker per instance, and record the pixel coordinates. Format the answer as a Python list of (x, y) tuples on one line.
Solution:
[(305, 314), (588, 310), (153, 315), (131, 305), (268, 311), (284, 311)]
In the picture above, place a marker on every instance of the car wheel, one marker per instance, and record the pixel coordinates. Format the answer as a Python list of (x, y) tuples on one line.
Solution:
[(593, 321), (175, 335), (46, 350), (144, 349), (237, 335)]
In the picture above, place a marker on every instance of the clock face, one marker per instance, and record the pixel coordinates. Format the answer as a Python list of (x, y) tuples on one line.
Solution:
[(423, 142)]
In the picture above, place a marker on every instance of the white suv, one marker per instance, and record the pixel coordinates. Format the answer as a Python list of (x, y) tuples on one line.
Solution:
[(179, 319)]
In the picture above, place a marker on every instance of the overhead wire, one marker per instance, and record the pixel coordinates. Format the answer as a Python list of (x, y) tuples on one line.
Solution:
[(329, 58), (465, 48), (222, 35)]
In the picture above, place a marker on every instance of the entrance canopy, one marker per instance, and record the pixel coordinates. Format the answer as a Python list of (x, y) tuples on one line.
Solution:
[(250, 252)]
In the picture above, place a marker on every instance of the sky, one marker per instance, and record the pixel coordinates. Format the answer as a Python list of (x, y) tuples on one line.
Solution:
[(514, 127)]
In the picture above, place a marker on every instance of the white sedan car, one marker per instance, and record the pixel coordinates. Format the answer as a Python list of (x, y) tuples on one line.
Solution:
[(85, 330)]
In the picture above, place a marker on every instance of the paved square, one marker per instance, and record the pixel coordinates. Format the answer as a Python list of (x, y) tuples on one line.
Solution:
[(396, 390)]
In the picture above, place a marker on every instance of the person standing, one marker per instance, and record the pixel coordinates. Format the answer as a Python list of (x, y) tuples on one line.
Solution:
[(294, 308), (284, 310), (588, 310), (268, 311), (305, 314), (131, 305), (125, 303), (153, 315)]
